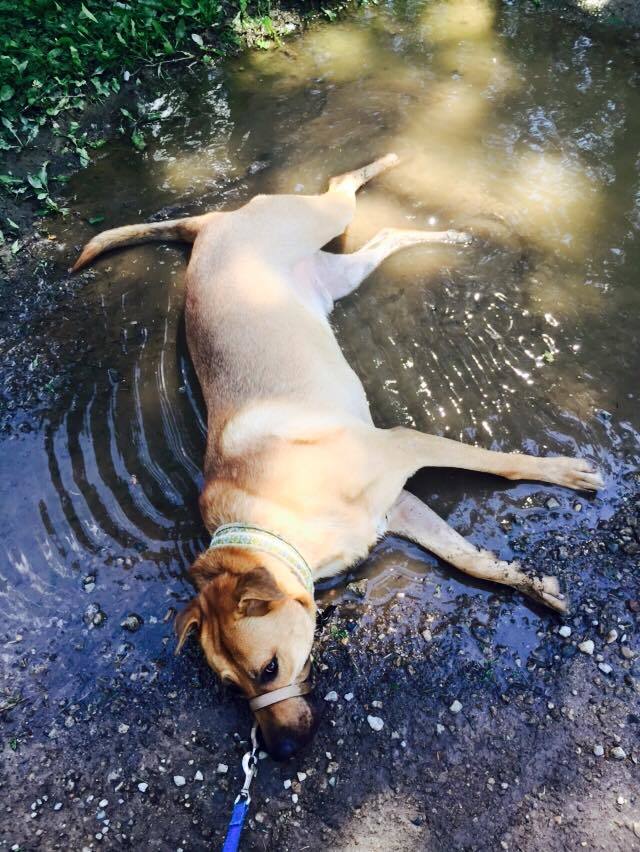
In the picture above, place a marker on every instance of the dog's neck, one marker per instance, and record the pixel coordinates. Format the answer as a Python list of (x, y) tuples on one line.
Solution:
[(328, 541), (257, 539)]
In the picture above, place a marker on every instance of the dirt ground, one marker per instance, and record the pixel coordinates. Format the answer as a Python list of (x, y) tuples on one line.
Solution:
[(541, 754)]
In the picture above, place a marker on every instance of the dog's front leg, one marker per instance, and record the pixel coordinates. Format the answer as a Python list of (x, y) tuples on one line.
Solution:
[(412, 450), (411, 518)]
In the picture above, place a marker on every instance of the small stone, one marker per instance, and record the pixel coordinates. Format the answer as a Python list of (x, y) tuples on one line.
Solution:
[(598, 750), (294, 798), (552, 503), (287, 783), (143, 786), (375, 723), (439, 729), (94, 616), (621, 800), (605, 668), (612, 636), (358, 587), (456, 707), (260, 817), (301, 776), (331, 696), (618, 753), (57, 806), (122, 728), (222, 769), (587, 647), (132, 622), (565, 631), (627, 652), (348, 696), (377, 705), (179, 780), (198, 776), (427, 635)]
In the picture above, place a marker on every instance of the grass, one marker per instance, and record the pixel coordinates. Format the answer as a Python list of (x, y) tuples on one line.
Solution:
[(59, 56)]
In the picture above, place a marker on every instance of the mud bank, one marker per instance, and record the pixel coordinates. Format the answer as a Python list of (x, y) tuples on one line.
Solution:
[(542, 752)]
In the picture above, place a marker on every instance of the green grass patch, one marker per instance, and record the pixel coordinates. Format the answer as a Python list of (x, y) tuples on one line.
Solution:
[(59, 56)]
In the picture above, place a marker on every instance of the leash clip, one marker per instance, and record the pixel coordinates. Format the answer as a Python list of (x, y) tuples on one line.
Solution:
[(250, 767)]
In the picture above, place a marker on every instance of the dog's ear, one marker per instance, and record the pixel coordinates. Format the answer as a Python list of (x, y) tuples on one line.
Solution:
[(256, 592), (186, 620)]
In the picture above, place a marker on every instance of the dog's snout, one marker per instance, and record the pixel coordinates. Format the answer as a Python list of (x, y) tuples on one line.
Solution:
[(289, 727)]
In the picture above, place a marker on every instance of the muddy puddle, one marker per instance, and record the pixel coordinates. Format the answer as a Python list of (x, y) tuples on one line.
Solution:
[(521, 131)]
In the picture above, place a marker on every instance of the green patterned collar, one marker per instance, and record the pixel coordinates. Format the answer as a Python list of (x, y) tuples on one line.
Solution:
[(255, 538)]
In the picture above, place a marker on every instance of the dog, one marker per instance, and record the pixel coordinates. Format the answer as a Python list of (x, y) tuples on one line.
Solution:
[(299, 482)]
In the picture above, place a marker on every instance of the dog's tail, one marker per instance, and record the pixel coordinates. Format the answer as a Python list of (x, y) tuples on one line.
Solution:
[(184, 230)]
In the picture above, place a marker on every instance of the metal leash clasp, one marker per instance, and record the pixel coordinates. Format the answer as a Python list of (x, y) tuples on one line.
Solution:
[(250, 766)]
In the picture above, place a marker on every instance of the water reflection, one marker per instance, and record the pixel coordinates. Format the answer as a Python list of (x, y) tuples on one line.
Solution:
[(525, 137)]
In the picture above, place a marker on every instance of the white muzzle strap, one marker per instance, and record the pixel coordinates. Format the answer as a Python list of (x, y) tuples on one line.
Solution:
[(277, 695), (254, 538)]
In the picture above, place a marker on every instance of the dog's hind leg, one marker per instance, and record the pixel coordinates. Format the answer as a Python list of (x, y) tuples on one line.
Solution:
[(341, 274), (294, 227), (411, 518)]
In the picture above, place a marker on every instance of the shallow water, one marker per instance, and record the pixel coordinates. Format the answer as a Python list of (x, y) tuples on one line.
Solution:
[(510, 125)]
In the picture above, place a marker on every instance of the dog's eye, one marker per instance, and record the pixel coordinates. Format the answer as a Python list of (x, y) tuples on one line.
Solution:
[(269, 671)]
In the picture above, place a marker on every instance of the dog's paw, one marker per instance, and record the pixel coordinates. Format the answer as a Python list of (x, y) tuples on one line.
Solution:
[(546, 590), (578, 474), (459, 238)]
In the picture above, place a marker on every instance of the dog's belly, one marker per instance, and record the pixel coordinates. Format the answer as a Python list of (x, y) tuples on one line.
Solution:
[(261, 341)]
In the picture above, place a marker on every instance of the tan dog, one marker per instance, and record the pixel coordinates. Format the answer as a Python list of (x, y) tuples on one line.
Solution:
[(292, 450)]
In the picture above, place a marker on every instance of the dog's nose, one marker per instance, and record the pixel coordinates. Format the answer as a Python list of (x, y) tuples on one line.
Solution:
[(284, 748)]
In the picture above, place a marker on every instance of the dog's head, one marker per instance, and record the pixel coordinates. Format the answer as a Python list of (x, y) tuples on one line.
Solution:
[(256, 631)]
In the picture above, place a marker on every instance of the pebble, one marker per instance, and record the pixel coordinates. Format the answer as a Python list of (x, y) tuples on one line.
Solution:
[(618, 753), (331, 696), (179, 780), (598, 750), (57, 806), (427, 635), (287, 783), (301, 776), (222, 769), (377, 704), (122, 728), (612, 636), (552, 503), (627, 652), (143, 787), (132, 622), (198, 776), (439, 729), (605, 668), (375, 722), (587, 647), (348, 696), (456, 707), (565, 631), (294, 798)]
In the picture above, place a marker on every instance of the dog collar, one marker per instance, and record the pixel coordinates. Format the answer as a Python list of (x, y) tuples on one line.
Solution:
[(263, 541)]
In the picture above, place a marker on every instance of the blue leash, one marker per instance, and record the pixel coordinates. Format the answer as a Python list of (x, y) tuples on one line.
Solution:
[(242, 802)]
